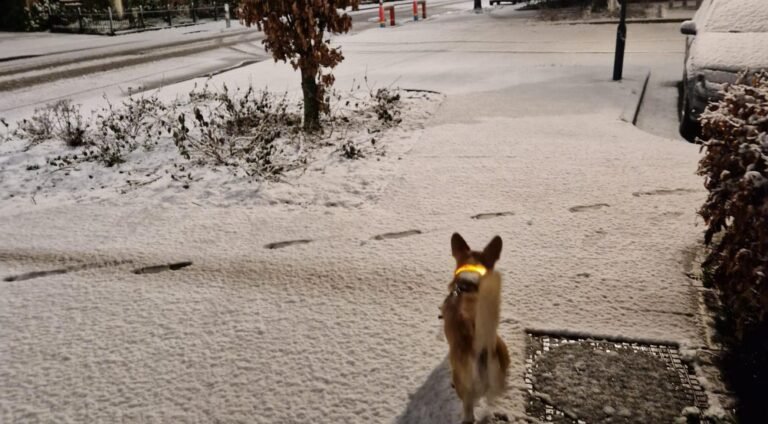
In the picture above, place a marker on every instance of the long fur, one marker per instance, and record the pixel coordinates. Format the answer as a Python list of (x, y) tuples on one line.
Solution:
[(487, 317), (487, 312)]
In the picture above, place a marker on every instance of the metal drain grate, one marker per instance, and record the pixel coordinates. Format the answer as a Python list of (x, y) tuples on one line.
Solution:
[(679, 381)]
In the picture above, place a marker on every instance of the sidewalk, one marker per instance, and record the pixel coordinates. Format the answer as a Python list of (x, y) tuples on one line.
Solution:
[(597, 217)]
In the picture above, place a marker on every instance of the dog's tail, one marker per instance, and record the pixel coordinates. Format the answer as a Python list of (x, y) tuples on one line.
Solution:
[(487, 312), (489, 368)]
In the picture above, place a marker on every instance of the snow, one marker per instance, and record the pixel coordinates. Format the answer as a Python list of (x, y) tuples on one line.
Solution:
[(344, 328), (714, 51), (738, 16), (732, 36)]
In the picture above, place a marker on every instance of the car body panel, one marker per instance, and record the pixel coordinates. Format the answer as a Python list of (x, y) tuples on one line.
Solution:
[(731, 37)]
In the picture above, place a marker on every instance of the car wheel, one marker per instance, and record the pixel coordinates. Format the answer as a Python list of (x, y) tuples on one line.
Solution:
[(689, 127)]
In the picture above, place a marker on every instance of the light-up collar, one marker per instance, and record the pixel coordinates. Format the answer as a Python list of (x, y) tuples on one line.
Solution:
[(477, 269)]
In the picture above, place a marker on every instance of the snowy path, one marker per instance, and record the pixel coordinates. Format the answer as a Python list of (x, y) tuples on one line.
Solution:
[(345, 328)]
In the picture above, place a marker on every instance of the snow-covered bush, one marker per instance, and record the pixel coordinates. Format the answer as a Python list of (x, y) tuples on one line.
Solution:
[(139, 120), (6, 128), (61, 120), (228, 128), (122, 129), (386, 105), (38, 15), (735, 167), (256, 133)]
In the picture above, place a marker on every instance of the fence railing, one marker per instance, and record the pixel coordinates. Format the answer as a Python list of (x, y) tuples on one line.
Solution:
[(73, 19)]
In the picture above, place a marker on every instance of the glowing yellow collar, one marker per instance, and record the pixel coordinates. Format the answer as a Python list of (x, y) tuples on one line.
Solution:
[(478, 269)]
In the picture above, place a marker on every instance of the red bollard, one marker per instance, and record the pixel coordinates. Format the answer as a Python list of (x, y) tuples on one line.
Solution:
[(392, 15), (424, 10), (415, 11)]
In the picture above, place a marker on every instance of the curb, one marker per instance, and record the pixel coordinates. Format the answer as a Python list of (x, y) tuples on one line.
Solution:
[(631, 105), (641, 98), (629, 21)]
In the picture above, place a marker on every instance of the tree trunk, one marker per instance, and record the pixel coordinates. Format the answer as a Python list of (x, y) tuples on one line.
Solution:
[(311, 102)]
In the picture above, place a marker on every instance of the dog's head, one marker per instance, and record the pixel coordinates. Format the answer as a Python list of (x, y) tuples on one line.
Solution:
[(471, 265)]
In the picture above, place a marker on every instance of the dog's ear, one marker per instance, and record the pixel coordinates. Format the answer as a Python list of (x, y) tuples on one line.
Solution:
[(492, 252), (459, 248)]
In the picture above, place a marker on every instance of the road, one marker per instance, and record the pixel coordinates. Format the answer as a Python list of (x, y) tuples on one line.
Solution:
[(39, 68), (659, 112)]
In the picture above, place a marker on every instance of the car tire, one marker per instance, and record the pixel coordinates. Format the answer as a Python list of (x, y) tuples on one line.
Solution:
[(689, 127)]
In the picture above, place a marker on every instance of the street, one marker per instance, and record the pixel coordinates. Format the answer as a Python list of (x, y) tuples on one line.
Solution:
[(42, 69)]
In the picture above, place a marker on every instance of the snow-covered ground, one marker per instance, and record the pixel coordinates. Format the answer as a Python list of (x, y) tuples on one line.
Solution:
[(316, 170), (596, 217)]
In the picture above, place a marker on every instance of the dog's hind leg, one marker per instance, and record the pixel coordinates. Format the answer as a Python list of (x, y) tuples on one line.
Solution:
[(465, 391), (469, 409)]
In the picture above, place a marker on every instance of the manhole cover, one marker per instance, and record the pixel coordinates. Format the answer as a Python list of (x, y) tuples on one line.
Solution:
[(581, 380)]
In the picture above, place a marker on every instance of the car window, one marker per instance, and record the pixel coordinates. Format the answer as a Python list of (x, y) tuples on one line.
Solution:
[(701, 14), (737, 16)]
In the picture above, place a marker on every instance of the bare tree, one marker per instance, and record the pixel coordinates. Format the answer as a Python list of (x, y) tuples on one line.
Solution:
[(295, 32)]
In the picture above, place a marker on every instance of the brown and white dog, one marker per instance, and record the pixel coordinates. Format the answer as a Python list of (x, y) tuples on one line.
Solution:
[(479, 358)]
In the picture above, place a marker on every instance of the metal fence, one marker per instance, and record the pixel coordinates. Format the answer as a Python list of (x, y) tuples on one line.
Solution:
[(134, 19)]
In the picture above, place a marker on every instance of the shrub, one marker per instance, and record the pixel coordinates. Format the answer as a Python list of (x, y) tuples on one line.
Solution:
[(238, 130), (137, 118), (71, 127), (6, 135), (37, 128), (37, 17), (387, 106), (735, 167), (61, 120), (120, 130)]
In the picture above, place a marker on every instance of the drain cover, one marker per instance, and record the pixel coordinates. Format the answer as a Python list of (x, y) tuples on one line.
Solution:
[(581, 380)]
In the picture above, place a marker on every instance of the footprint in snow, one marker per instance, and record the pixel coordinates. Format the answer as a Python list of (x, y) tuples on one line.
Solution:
[(397, 235), (582, 208), (154, 269), (282, 244), (492, 215), (35, 274), (46, 273)]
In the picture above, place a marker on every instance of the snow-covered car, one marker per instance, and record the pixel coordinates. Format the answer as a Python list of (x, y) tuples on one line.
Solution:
[(724, 38)]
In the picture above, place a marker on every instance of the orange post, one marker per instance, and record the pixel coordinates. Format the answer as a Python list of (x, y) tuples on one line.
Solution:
[(381, 15), (415, 10)]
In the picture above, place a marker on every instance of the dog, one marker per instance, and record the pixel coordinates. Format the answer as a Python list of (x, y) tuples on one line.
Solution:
[(479, 358)]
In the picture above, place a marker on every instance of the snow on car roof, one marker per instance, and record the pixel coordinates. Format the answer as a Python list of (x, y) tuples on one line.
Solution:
[(738, 16)]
